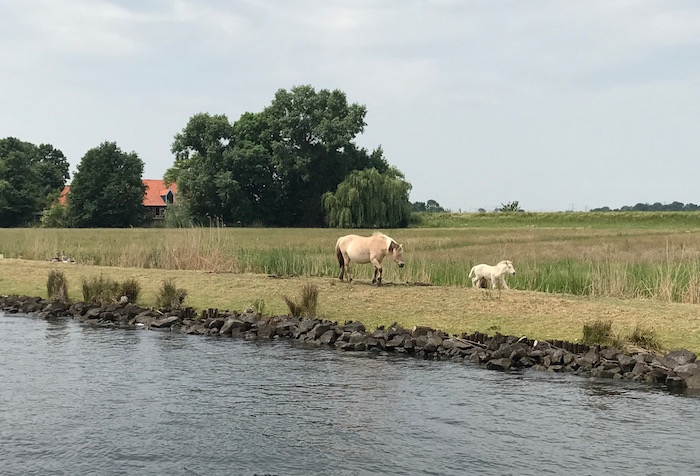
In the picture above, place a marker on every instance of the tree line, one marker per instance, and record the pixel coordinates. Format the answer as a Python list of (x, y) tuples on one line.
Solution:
[(295, 163), (654, 207)]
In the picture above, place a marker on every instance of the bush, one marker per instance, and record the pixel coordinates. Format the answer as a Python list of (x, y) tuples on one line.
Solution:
[(258, 306), (100, 290), (131, 288), (598, 333), (169, 296), (645, 338), (55, 217), (307, 304), (601, 333), (57, 286)]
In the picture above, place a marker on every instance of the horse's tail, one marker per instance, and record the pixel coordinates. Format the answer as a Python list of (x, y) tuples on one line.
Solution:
[(472, 273), (339, 254)]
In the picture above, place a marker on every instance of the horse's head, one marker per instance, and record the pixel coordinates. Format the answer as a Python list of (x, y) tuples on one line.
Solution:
[(396, 251), (508, 266)]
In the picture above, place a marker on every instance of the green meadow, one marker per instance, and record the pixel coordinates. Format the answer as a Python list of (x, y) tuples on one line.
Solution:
[(639, 260)]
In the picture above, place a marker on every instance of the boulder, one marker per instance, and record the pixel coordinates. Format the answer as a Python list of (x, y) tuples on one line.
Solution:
[(396, 341), (353, 326), (434, 342), (421, 331), (678, 357), (165, 322), (93, 313), (266, 330), (675, 384), (328, 337), (499, 364)]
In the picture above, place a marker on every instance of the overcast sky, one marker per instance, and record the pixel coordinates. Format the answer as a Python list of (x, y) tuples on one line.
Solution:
[(557, 104)]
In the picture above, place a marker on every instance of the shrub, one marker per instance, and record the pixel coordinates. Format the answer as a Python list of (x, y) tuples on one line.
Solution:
[(598, 333), (57, 286), (645, 338), (170, 296), (307, 304), (100, 290), (131, 288), (258, 306), (601, 333)]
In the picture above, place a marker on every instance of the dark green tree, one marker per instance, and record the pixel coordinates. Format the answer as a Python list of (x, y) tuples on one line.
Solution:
[(513, 206), (369, 199), (107, 190), (271, 167), (31, 178), (199, 169)]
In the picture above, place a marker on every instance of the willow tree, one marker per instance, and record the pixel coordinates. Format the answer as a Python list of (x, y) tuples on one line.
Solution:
[(368, 199)]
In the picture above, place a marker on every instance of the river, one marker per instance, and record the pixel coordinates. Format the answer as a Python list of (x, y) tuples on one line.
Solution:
[(76, 400)]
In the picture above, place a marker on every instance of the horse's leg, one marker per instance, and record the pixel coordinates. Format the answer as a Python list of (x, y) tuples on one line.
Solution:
[(503, 282), (377, 271), (345, 271)]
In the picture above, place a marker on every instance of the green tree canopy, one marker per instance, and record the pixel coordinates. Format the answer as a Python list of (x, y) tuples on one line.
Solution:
[(107, 190), (31, 177), (271, 167), (367, 199)]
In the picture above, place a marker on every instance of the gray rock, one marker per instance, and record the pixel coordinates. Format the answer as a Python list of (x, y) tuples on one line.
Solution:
[(353, 326), (266, 330), (687, 370), (434, 342), (319, 329), (328, 337), (165, 322), (499, 364), (421, 331), (675, 384), (679, 357), (93, 313)]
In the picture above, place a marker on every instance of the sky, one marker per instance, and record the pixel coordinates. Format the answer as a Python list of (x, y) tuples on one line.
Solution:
[(560, 105)]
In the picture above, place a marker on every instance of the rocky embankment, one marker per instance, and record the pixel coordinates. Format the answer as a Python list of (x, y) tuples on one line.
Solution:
[(677, 371)]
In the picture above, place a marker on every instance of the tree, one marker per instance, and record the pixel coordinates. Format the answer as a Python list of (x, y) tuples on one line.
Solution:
[(271, 167), (513, 206), (107, 190), (367, 199), (31, 178)]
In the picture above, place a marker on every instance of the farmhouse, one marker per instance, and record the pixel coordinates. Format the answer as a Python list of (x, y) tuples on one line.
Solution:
[(156, 199)]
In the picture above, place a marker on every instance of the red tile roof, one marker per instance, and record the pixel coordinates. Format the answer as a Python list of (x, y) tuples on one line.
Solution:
[(156, 192), (154, 197)]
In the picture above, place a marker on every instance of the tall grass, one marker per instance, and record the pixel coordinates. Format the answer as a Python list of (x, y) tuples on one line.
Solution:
[(607, 258)]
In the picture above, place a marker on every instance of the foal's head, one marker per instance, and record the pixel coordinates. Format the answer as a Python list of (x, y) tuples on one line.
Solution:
[(507, 267)]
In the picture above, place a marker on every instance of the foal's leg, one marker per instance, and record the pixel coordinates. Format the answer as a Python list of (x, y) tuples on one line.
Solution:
[(503, 282)]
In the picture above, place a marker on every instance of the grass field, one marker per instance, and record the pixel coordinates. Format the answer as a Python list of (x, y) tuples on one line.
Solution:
[(631, 268)]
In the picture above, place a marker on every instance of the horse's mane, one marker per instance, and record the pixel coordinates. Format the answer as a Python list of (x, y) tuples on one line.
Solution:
[(388, 239)]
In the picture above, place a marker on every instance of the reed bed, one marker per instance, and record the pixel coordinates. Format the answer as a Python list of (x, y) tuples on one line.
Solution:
[(647, 261)]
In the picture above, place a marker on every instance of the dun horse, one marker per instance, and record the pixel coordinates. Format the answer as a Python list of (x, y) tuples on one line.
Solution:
[(367, 249)]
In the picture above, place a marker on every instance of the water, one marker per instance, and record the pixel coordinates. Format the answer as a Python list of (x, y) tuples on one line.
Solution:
[(81, 401)]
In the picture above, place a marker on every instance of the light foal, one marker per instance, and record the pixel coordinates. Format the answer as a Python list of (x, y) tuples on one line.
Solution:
[(481, 273)]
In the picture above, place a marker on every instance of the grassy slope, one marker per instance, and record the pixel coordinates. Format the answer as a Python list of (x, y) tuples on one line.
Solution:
[(454, 309)]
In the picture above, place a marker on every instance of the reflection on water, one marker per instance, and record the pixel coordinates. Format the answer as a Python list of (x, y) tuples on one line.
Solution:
[(76, 400)]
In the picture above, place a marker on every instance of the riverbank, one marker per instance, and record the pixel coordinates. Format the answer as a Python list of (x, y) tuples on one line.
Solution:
[(453, 309), (675, 371)]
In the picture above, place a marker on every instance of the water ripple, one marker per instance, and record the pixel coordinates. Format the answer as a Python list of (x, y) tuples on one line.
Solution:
[(79, 401)]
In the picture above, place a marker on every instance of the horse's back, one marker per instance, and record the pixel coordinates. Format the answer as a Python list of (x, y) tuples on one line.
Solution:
[(356, 247)]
